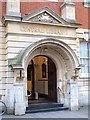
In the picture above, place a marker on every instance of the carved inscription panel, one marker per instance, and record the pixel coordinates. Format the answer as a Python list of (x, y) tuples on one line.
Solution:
[(34, 28)]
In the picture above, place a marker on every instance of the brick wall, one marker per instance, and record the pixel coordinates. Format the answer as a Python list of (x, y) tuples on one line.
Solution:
[(82, 13), (2, 8)]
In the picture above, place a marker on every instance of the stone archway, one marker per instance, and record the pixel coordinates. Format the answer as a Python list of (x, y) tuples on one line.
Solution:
[(60, 53), (63, 56)]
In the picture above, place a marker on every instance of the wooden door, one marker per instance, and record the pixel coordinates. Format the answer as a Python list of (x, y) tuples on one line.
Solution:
[(52, 81)]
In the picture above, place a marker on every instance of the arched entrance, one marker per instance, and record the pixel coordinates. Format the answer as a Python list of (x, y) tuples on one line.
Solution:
[(61, 54), (42, 80)]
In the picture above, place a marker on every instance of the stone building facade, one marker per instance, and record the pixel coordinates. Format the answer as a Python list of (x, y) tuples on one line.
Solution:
[(40, 51)]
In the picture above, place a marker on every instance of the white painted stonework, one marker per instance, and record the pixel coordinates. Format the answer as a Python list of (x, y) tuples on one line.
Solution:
[(73, 95), (66, 9), (24, 39), (13, 7), (20, 106)]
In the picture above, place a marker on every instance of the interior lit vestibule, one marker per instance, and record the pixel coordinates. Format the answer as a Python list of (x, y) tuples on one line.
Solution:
[(41, 80)]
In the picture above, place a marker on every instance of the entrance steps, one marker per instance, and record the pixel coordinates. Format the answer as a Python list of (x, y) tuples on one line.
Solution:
[(45, 107)]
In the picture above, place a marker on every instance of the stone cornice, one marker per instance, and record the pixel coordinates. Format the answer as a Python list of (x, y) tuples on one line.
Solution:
[(50, 18)]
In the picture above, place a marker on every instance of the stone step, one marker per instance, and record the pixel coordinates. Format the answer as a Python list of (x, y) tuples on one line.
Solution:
[(45, 107)]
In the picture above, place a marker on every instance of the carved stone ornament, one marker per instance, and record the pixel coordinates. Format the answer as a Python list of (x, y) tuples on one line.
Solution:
[(45, 17)]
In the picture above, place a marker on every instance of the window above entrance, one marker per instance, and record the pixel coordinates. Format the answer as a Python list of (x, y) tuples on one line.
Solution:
[(84, 57), (86, 3)]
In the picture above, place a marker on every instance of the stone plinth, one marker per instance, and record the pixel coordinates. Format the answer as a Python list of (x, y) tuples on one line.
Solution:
[(10, 99), (73, 95), (20, 106)]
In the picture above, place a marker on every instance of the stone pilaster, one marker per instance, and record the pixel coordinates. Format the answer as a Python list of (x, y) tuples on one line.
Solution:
[(68, 10), (9, 99), (13, 8), (20, 106), (73, 95)]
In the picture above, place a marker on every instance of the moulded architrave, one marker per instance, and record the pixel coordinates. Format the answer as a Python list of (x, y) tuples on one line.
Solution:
[(45, 29), (28, 28), (12, 25)]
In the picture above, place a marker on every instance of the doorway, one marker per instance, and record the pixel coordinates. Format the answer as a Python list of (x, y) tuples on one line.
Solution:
[(42, 80)]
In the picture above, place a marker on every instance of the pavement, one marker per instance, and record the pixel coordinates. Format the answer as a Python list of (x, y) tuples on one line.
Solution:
[(81, 113)]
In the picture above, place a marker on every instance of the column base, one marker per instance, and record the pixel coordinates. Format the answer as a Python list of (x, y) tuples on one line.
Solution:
[(15, 14), (74, 104), (20, 108), (10, 111)]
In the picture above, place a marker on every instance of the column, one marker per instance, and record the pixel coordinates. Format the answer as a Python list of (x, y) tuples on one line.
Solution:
[(9, 98), (20, 106), (19, 91), (73, 95), (13, 8), (68, 10)]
